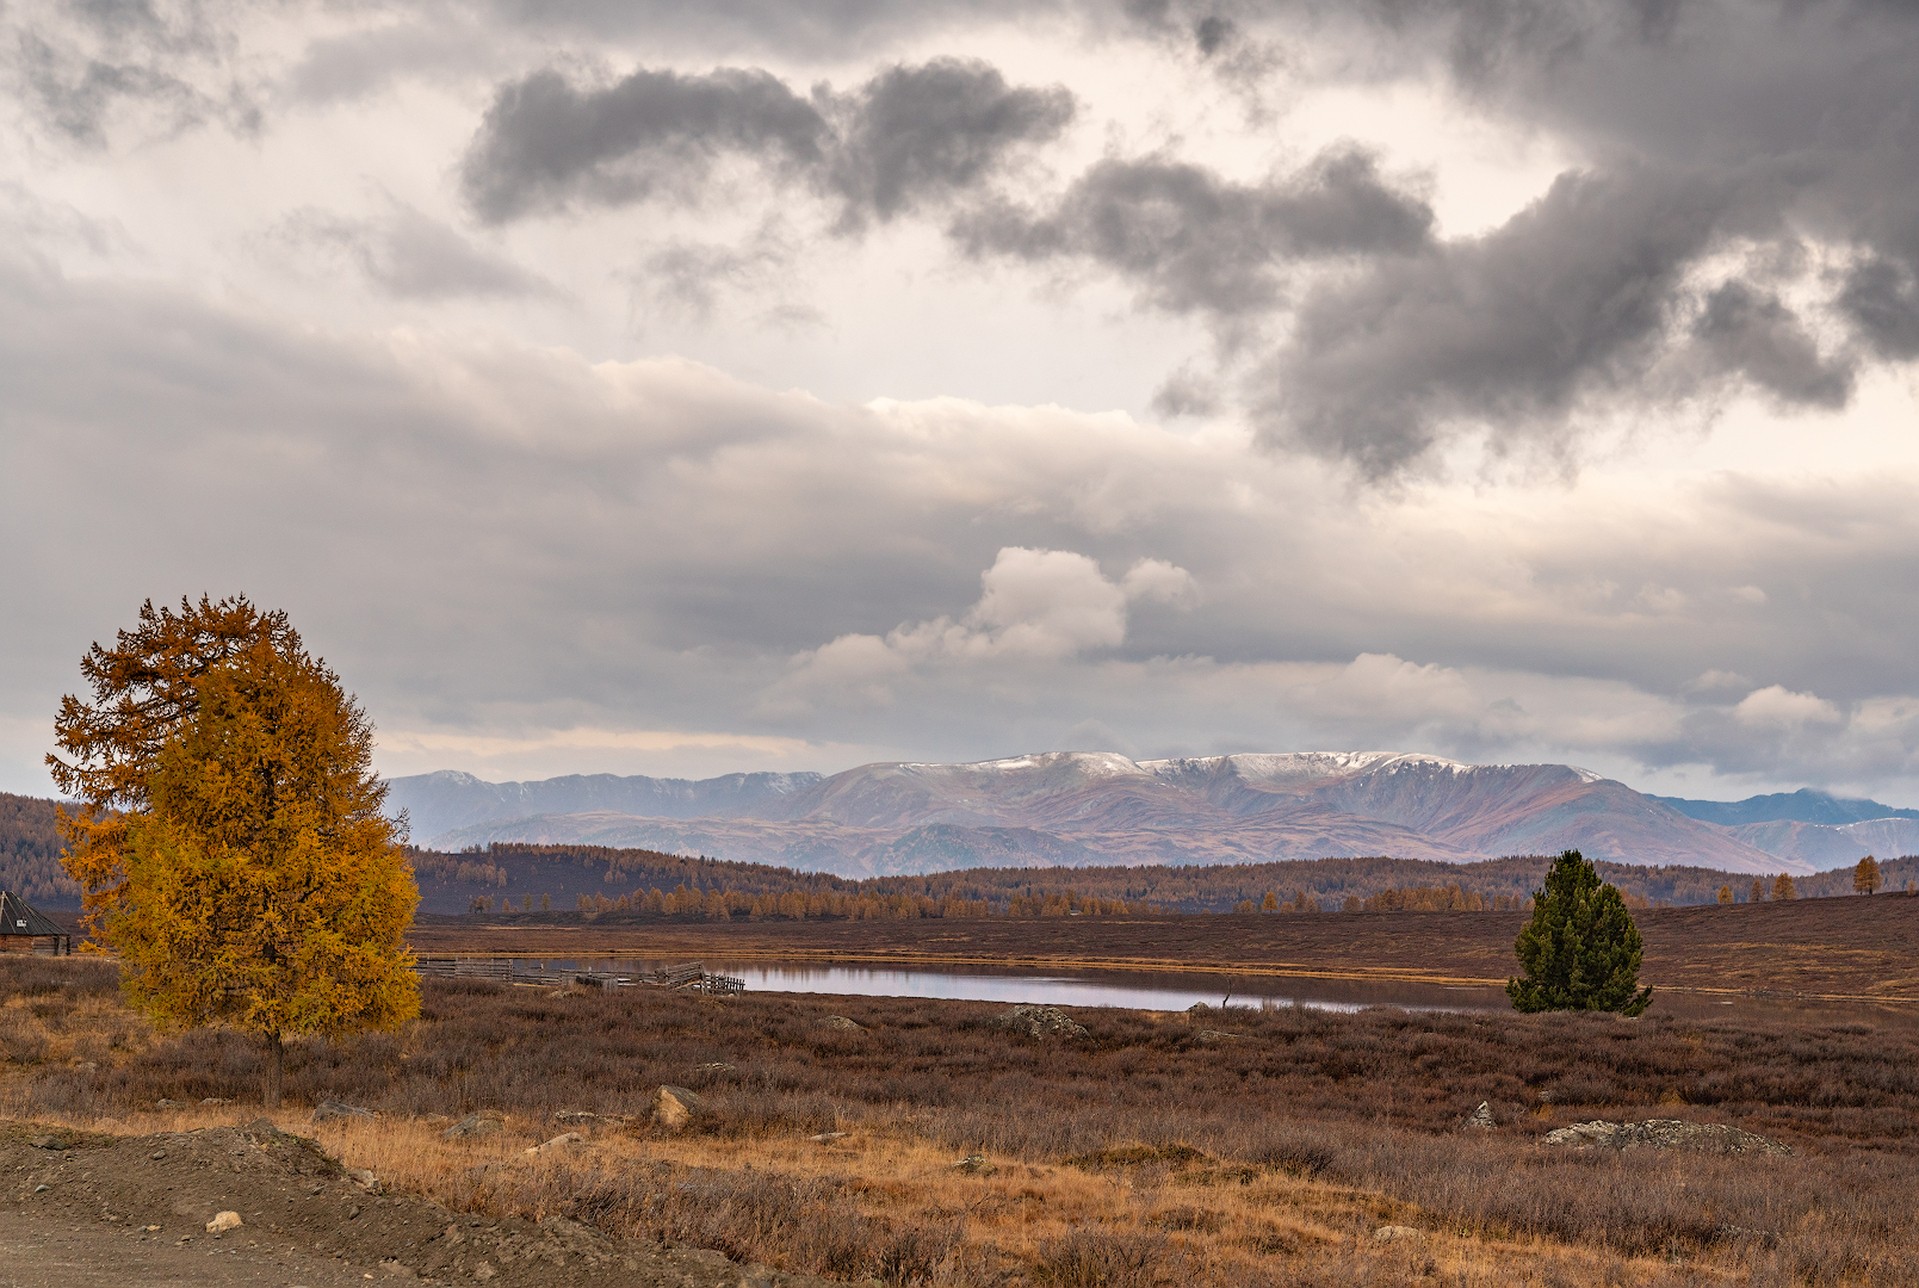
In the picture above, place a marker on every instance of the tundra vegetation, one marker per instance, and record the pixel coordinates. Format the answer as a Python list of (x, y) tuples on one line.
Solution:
[(919, 1141)]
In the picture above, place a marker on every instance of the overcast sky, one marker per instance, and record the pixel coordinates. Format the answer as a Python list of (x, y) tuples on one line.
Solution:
[(788, 384)]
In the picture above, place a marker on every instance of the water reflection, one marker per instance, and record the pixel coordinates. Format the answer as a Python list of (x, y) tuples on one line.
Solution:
[(1128, 990)]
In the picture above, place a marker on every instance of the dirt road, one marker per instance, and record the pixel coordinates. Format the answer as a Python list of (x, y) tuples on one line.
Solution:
[(80, 1210)]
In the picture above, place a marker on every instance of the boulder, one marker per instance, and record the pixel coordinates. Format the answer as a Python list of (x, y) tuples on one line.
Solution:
[(485, 1123), (1481, 1119), (674, 1107), (1039, 1021), (224, 1221), (328, 1111), (559, 1144), (841, 1022), (975, 1165), (582, 1118), (1394, 1233), (1664, 1133)]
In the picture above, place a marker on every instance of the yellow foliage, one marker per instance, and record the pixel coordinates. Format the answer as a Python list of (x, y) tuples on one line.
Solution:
[(250, 879), (145, 690)]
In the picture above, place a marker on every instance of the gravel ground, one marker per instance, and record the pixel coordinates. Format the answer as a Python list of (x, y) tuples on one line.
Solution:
[(78, 1209)]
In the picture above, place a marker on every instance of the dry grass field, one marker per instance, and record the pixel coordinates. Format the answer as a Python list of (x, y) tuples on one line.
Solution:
[(1849, 947), (931, 1145)]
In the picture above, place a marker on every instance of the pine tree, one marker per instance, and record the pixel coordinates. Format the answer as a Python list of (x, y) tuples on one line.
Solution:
[(1581, 951)]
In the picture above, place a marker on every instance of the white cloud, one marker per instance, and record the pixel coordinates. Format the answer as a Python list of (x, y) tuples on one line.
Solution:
[(1035, 606), (1777, 707)]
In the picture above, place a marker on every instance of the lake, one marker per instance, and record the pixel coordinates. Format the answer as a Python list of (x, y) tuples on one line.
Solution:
[(1139, 991)]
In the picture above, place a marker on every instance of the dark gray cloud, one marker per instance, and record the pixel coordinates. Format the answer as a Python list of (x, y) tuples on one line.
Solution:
[(1198, 243), (1881, 296), (1507, 332), (1757, 336), (1705, 125), (548, 144), (928, 132), (910, 134)]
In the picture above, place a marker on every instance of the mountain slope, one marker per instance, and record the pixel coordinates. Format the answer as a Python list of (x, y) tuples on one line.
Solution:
[(1806, 805), (1822, 846), (1080, 808)]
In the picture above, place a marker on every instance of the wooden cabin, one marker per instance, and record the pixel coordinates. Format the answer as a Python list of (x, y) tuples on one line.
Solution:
[(25, 929)]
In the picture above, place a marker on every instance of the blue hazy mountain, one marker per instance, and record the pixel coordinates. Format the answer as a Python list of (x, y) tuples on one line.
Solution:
[(1806, 805)]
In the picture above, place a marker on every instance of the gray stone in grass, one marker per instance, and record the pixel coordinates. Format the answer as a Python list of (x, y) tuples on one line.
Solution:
[(842, 1023), (674, 1107), (328, 1111), (1664, 1133), (1039, 1021), (559, 1144), (485, 1123), (1394, 1233), (1481, 1119)]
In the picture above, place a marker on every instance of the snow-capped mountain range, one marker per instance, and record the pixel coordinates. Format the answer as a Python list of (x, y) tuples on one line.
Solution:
[(1080, 808)]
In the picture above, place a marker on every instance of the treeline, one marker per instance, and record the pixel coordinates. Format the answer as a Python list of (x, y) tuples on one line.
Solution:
[(30, 851), (603, 881)]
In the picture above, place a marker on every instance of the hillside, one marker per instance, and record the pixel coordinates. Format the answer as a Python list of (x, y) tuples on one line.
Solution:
[(522, 878), (1092, 808), (30, 852)]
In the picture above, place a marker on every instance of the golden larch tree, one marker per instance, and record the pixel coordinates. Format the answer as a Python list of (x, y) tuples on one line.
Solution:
[(250, 878), (1865, 876), (1783, 888)]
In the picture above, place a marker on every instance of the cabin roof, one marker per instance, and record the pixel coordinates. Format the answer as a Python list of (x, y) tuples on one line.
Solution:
[(18, 917)]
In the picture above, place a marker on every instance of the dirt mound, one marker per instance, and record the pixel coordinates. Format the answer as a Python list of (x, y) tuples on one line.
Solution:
[(80, 1209)]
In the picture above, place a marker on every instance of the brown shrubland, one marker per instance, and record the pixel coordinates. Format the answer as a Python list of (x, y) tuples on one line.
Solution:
[(1157, 1150)]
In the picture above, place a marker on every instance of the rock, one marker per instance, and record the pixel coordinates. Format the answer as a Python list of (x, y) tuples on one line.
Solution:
[(719, 1068), (581, 1117), (559, 1144), (483, 1272), (828, 1137), (673, 1107), (164, 1103), (214, 1101), (365, 1179), (1664, 1133), (1038, 1021), (48, 1142), (1482, 1118), (1394, 1233), (975, 1165), (841, 1022), (328, 1111), (224, 1221), (486, 1123)]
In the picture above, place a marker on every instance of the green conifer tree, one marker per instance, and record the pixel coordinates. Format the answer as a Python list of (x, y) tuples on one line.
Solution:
[(1581, 951)]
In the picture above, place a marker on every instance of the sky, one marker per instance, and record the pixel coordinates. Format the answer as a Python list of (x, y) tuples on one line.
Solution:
[(790, 384)]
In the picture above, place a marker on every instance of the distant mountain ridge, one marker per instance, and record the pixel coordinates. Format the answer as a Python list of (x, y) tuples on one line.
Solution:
[(1807, 805), (1814, 827), (1080, 808)]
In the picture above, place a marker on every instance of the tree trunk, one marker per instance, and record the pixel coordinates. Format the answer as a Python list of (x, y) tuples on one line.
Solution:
[(276, 1064)]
